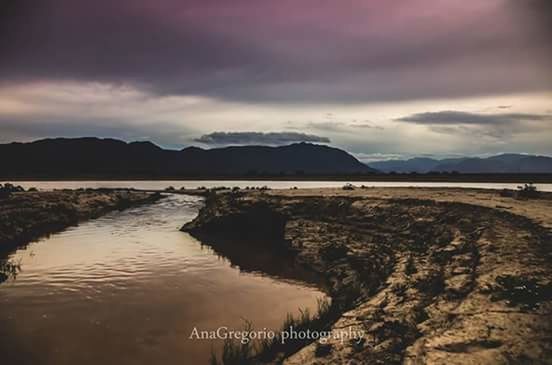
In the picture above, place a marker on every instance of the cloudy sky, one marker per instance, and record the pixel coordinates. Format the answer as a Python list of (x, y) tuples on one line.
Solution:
[(380, 79)]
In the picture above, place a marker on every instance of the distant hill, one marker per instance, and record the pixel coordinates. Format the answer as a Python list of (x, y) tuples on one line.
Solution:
[(505, 163), (418, 164), (82, 157)]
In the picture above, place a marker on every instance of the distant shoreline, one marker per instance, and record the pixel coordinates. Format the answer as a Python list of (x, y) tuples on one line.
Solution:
[(411, 177)]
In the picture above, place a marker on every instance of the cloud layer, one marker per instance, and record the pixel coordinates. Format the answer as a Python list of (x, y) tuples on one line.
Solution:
[(452, 117), (369, 75), (489, 128), (283, 51), (258, 138)]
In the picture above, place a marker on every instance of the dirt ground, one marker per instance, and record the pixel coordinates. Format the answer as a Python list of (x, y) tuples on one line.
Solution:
[(539, 210), (431, 276)]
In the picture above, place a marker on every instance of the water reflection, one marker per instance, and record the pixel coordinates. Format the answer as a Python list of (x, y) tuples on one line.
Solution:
[(263, 258), (129, 287)]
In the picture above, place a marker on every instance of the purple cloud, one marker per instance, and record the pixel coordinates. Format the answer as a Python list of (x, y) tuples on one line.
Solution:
[(289, 51)]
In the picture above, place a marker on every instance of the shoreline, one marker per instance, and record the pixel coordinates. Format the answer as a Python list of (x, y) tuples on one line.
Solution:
[(432, 275), (28, 216), (399, 177)]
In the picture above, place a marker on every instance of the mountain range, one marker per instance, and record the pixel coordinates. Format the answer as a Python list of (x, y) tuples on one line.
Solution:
[(504, 163), (111, 158), (96, 157)]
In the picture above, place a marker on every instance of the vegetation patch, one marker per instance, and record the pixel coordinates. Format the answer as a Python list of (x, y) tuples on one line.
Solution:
[(268, 350), (526, 293)]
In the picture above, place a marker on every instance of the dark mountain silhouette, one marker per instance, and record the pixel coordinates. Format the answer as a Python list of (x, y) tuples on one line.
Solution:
[(75, 157), (417, 164), (505, 163)]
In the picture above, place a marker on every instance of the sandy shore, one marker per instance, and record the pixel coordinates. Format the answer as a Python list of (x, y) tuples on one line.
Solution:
[(432, 276)]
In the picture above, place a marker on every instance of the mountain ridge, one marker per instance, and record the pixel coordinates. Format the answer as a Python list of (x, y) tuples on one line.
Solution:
[(502, 163), (92, 156)]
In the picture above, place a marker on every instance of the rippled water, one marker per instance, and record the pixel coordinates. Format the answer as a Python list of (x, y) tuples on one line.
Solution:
[(129, 287)]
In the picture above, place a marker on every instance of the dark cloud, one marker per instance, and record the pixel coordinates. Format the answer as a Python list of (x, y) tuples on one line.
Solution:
[(451, 117), (289, 51), (248, 138), (485, 129)]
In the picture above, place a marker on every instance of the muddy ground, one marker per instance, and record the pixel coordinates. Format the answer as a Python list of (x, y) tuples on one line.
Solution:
[(432, 276)]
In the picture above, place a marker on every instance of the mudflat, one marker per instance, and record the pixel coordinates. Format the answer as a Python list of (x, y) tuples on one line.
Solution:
[(432, 276)]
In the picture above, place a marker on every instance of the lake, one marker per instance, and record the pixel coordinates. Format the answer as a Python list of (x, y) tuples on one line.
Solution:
[(191, 184)]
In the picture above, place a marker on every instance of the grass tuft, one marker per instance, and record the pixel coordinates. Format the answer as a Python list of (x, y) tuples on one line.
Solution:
[(8, 270), (269, 350)]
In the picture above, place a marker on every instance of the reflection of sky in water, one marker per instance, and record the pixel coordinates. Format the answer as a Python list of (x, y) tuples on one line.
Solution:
[(129, 287)]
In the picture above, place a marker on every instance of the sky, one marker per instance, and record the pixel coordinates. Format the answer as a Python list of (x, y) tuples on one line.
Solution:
[(380, 79)]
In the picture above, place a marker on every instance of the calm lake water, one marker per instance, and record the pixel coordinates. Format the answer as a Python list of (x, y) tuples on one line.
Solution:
[(129, 287), (190, 184)]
